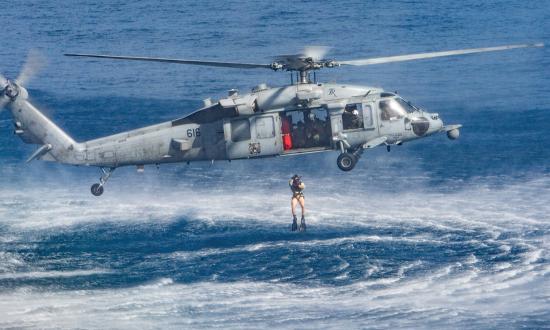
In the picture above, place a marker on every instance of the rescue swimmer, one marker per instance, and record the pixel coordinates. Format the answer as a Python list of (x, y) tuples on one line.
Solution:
[(297, 187)]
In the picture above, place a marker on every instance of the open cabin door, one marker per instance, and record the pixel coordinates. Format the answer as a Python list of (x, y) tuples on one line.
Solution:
[(305, 131), (256, 136)]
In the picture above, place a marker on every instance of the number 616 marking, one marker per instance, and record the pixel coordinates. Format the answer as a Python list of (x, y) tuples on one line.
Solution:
[(194, 132)]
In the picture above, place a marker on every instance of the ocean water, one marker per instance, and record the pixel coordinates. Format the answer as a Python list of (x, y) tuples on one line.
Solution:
[(434, 234)]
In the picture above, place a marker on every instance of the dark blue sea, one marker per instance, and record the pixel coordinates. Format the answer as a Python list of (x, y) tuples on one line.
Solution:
[(435, 234)]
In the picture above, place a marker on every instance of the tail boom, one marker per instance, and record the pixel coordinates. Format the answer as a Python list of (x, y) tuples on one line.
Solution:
[(33, 127)]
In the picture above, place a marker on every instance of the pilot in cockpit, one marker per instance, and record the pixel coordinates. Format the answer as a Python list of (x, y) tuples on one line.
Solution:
[(395, 108), (385, 111)]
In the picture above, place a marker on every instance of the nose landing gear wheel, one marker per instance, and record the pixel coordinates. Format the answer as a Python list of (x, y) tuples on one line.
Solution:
[(97, 189), (346, 161)]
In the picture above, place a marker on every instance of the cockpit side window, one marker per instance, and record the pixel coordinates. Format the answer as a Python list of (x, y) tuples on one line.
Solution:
[(405, 105), (395, 108)]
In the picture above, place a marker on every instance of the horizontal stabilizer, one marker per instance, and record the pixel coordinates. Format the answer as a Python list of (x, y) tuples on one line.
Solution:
[(40, 152)]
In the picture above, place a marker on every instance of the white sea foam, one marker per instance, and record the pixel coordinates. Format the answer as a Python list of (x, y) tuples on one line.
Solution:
[(490, 210), (470, 289), (10, 261), (52, 274), (164, 303)]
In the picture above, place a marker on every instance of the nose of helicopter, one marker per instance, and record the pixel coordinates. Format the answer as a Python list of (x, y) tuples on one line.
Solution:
[(436, 124), (427, 124)]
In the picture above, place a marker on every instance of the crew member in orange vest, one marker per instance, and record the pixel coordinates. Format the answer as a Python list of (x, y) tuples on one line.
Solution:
[(287, 138)]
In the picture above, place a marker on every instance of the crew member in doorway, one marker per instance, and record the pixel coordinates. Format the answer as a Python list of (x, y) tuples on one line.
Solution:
[(286, 128), (297, 187), (351, 118)]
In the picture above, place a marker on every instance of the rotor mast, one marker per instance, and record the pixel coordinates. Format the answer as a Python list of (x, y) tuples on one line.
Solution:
[(304, 77)]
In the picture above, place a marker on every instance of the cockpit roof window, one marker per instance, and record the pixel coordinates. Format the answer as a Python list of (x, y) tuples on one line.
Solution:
[(386, 94)]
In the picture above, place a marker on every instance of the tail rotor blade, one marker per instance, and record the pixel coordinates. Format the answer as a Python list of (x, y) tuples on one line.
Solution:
[(34, 63), (3, 85), (3, 82), (3, 103)]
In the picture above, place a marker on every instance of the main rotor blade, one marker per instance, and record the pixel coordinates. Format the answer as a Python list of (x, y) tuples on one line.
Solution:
[(317, 53), (411, 57), (178, 61)]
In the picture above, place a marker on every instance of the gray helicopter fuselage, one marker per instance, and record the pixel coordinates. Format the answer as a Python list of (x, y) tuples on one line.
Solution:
[(251, 126), (299, 118), (295, 119)]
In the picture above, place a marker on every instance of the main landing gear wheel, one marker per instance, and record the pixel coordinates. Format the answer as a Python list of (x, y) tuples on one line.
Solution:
[(97, 189), (346, 161)]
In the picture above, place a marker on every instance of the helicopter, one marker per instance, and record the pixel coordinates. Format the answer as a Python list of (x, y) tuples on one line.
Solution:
[(302, 117)]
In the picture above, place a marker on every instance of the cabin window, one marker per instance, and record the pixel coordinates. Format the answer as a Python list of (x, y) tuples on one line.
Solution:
[(265, 128), (352, 118), (240, 130)]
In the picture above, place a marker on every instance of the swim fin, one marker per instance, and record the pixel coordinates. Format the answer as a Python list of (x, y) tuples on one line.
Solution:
[(294, 224), (303, 224)]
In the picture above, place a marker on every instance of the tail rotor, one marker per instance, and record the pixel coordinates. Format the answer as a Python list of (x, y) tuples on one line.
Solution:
[(9, 90)]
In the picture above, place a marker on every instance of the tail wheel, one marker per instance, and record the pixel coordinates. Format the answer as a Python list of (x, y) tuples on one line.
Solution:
[(346, 161), (97, 189)]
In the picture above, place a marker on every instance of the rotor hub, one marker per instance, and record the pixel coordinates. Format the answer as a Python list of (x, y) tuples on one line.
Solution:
[(301, 63), (11, 90)]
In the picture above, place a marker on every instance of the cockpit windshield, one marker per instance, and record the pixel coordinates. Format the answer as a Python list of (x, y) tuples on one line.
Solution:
[(395, 108)]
